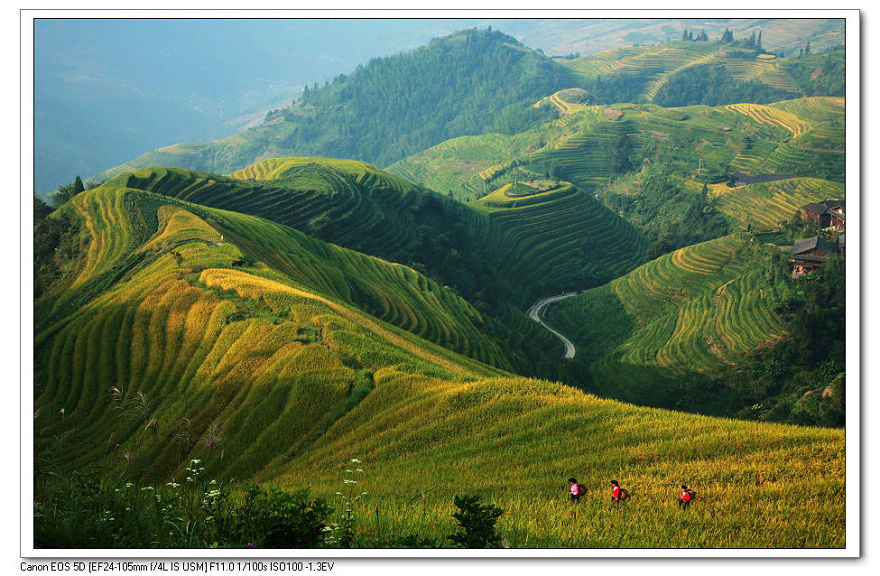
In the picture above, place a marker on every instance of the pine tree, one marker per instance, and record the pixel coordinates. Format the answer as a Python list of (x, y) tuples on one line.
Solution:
[(759, 41), (807, 49)]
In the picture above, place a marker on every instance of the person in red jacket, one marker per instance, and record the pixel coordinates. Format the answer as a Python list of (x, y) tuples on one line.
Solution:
[(684, 498), (615, 491)]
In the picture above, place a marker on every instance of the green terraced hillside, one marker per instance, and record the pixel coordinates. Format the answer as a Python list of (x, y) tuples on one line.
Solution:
[(554, 222), (802, 137), (193, 327), (243, 353), (357, 206), (130, 228), (689, 312), (670, 71), (778, 141), (764, 206)]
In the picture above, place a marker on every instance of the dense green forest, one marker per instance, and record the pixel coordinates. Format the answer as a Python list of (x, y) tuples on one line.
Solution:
[(668, 214), (454, 86), (820, 74), (713, 85)]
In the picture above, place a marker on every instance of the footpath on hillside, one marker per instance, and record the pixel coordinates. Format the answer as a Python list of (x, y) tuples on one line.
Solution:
[(536, 313)]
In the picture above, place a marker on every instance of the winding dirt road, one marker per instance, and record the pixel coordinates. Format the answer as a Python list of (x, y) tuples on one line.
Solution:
[(537, 311)]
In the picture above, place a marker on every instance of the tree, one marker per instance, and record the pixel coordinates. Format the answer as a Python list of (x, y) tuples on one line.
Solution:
[(41, 209), (477, 522), (759, 41), (65, 193), (620, 155), (807, 48)]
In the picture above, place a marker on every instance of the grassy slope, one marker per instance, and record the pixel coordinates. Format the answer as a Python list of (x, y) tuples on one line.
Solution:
[(393, 293), (515, 442), (688, 312), (297, 382)]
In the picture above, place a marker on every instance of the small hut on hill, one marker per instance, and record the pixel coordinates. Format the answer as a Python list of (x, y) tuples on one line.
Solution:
[(807, 254)]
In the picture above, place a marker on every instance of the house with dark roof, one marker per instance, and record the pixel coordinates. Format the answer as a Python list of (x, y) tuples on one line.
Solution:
[(807, 254), (828, 214)]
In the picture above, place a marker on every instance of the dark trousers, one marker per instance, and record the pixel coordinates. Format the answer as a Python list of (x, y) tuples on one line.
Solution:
[(683, 504)]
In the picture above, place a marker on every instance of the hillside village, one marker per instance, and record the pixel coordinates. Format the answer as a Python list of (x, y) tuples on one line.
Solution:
[(808, 254)]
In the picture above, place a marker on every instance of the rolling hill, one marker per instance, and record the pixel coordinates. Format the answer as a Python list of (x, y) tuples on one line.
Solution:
[(688, 313), (300, 314), (593, 145), (184, 332), (355, 205)]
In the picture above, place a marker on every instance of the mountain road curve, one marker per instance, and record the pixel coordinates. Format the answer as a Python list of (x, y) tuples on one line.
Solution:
[(536, 312)]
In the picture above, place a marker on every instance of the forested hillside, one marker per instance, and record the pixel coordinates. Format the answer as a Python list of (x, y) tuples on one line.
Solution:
[(471, 82)]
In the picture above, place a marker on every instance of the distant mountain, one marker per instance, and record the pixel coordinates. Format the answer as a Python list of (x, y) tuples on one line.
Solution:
[(471, 82), (584, 37)]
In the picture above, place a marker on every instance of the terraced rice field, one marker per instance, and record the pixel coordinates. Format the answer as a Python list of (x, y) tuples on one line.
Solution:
[(815, 109), (373, 212), (772, 116), (262, 376), (764, 71), (686, 62), (688, 311), (329, 200), (567, 233), (605, 63), (567, 101), (456, 437), (395, 294), (766, 205), (816, 144)]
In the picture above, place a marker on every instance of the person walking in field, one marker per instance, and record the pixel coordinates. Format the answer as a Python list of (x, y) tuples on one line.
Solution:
[(685, 497), (617, 493), (576, 490)]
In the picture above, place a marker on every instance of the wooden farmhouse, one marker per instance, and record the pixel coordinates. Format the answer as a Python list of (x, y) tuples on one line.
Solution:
[(807, 254), (828, 214)]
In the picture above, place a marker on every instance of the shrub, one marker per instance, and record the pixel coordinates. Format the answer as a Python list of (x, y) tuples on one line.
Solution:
[(271, 519), (477, 523)]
